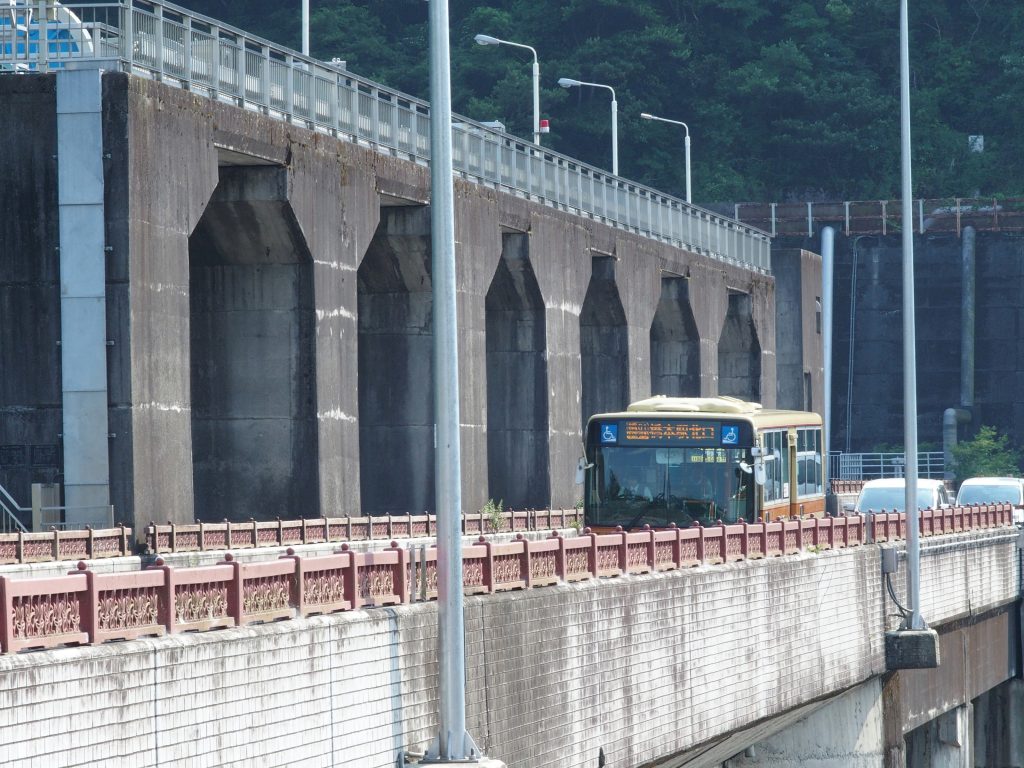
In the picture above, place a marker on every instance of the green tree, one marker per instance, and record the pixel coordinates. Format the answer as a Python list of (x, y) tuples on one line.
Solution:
[(989, 454), (785, 99)]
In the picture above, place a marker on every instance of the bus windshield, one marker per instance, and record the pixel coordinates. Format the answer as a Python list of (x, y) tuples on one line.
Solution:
[(632, 486)]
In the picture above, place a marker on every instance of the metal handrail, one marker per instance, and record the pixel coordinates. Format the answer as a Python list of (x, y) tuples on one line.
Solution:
[(868, 466), (165, 42), (9, 522)]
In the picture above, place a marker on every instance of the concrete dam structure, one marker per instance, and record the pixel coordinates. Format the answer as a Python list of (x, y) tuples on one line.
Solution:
[(969, 290), (252, 322)]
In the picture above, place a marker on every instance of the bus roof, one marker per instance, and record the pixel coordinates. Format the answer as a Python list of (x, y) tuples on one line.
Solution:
[(715, 408)]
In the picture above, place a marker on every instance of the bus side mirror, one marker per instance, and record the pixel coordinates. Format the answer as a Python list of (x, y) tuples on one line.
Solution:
[(759, 473), (581, 470)]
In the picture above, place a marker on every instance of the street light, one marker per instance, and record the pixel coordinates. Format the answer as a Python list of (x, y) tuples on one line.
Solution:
[(568, 82), (647, 116), (488, 40)]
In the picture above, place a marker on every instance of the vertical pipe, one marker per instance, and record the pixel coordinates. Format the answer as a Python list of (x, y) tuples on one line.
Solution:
[(83, 297), (967, 315), (827, 260), (909, 338)]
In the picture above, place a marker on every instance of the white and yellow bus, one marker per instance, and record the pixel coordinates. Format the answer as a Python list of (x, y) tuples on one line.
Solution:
[(682, 460)]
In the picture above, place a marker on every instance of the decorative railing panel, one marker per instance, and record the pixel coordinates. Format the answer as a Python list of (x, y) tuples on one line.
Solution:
[(87, 607), (22, 547)]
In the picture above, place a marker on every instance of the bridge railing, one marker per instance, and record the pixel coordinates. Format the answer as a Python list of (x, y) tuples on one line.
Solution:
[(48, 546), (87, 607), (200, 537), (884, 217), (165, 42)]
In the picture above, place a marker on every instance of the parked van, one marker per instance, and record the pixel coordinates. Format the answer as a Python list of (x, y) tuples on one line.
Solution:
[(992, 490), (890, 494)]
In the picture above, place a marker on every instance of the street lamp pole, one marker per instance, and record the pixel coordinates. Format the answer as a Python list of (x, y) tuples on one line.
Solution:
[(568, 82), (915, 621), (305, 27), (647, 116), (488, 40)]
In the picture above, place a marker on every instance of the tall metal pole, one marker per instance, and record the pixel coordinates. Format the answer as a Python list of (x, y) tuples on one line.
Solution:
[(615, 135), (827, 262), (453, 742), (536, 99), (649, 116), (305, 27), (689, 198), (909, 339)]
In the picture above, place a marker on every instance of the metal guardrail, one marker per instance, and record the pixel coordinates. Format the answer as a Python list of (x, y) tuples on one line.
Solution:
[(883, 217), (870, 466), (9, 520), (165, 42)]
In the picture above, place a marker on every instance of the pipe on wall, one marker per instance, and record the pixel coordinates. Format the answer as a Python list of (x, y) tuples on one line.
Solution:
[(952, 417)]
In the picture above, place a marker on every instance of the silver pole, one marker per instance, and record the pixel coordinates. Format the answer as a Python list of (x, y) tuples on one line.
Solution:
[(615, 135), (689, 198), (536, 99), (453, 742), (827, 262), (305, 27), (909, 340)]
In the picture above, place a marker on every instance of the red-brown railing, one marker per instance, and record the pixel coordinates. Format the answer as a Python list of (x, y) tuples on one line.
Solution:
[(22, 547), (87, 607), (199, 537)]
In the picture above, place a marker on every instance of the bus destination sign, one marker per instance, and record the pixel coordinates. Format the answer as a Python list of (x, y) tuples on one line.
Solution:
[(669, 432)]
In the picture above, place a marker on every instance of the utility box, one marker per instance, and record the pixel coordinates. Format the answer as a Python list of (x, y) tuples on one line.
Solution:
[(46, 508)]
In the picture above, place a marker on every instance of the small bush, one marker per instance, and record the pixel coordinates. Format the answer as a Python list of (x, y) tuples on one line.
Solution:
[(988, 454), (492, 510)]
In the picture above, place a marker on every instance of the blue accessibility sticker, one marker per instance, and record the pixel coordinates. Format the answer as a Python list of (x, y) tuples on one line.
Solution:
[(609, 433), (730, 435)]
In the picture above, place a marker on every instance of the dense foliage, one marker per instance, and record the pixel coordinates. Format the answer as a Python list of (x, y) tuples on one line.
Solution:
[(785, 99), (988, 454)]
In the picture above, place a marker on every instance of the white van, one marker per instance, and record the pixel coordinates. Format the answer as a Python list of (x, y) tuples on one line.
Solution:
[(890, 494), (993, 490)]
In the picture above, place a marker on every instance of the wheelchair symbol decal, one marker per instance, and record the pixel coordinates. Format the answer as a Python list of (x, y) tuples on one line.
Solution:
[(609, 433), (730, 435)]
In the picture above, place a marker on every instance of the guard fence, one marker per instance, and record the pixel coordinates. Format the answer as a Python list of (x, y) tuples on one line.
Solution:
[(85, 607), (53, 545)]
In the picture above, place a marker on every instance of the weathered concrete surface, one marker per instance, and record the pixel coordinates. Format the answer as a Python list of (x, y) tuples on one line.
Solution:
[(799, 350), (30, 384), (999, 726), (867, 406), (330, 212), (845, 732), (639, 667)]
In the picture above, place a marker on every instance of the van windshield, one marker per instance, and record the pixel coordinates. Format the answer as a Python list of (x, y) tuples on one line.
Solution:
[(989, 493), (891, 499)]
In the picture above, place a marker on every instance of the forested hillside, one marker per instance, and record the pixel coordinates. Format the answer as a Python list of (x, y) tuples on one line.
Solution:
[(785, 99)]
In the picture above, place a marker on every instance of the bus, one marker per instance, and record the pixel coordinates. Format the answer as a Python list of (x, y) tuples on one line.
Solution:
[(683, 460)]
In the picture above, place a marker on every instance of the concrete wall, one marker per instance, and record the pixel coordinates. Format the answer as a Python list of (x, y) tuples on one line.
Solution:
[(800, 373), (217, 214), (867, 407), (30, 384), (639, 667)]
